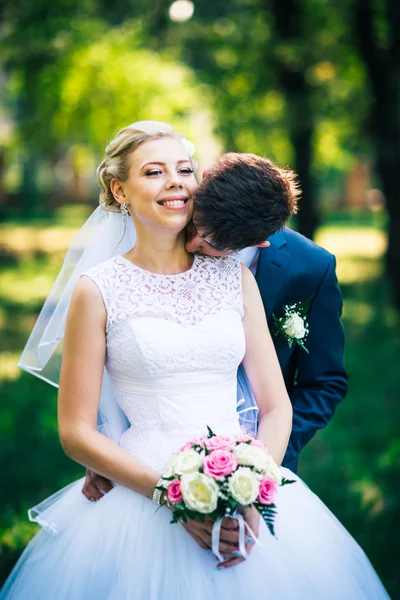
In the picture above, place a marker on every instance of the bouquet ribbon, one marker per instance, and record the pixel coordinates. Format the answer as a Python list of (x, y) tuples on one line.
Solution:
[(216, 530)]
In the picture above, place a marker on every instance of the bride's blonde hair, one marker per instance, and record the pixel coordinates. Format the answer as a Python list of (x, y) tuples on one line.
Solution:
[(116, 163)]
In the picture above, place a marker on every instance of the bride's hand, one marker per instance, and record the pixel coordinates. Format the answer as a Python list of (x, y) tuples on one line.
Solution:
[(252, 518), (229, 536)]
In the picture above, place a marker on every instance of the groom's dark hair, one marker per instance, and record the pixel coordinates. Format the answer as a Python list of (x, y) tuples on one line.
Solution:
[(243, 199)]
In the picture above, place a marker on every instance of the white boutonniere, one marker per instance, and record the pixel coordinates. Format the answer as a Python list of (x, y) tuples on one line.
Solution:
[(293, 326)]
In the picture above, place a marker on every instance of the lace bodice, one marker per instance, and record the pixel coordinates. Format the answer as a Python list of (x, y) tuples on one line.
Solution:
[(211, 285), (174, 343)]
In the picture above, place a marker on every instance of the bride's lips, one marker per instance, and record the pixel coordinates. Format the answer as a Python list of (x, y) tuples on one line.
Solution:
[(175, 202)]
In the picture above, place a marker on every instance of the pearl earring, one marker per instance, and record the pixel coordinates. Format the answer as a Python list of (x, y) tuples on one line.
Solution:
[(124, 209)]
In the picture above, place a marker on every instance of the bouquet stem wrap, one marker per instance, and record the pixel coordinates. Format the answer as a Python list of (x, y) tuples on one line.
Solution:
[(216, 531)]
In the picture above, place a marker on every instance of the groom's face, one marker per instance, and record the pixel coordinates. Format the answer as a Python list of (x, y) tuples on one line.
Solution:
[(195, 242), (202, 245)]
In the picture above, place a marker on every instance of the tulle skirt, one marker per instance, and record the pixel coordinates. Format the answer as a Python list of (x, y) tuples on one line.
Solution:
[(124, 547)]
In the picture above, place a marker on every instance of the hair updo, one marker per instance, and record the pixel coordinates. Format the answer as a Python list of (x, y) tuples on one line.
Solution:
[(116, 163)]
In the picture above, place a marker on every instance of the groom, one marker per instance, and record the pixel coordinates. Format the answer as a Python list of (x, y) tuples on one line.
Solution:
[(239, 203)]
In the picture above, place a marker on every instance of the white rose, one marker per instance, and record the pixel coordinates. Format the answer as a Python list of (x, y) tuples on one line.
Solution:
[(188, 461), (199, 492), (188, 145), (244, 485), (294, 327), (169, 470), (272, 470), (251, 456)]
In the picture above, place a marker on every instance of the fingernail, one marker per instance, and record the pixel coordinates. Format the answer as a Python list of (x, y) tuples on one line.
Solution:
[(249, 540), (220, 568), (208, 551), (236, 553)]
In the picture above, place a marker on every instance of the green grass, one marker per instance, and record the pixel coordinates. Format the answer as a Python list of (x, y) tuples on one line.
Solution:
[(353, 465)]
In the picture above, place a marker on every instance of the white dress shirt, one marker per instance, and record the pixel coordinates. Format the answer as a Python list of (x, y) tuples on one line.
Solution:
[(249, 257)]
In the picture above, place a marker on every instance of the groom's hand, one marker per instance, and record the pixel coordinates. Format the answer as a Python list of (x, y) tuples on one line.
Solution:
[(95, 486)]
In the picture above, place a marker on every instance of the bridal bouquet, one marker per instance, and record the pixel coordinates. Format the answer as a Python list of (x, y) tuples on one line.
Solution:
[(217, 475)]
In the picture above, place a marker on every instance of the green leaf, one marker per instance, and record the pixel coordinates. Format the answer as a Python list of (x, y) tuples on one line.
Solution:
[(268, 513), (210, 432), (287, 481), (301, 344)]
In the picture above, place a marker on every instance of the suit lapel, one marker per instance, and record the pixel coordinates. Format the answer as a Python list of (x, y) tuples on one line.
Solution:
[(272, 267)]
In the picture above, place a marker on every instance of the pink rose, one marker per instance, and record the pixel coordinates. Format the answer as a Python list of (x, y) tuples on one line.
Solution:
[(267, 491), (244, 438), (258, 444), (174, 492), (186, 446), (219, 464), (218, 442), (199, 441)]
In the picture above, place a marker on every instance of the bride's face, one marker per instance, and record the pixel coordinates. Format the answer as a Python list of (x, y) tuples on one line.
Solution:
[(160, 186)]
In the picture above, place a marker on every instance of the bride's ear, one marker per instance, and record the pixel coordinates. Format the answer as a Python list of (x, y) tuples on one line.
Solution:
[(117, 191), (263, 244)]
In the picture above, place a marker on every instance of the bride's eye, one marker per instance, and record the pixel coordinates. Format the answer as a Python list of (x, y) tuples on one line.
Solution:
[(186, 171), (153, 172)]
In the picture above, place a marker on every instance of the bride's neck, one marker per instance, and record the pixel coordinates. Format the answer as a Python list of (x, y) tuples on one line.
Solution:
[(161, 254)]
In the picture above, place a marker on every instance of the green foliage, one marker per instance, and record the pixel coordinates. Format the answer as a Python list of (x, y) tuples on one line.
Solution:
[(113, 82), (268, 513), (237, 51), (80, 82), (287, 481), (210, 432)]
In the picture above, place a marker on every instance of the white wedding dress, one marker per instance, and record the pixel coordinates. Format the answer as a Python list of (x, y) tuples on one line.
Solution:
[(174, 343)]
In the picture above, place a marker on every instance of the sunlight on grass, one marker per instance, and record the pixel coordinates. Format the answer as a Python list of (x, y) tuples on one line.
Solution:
[(18, 535), (9, 370), (352, 241), (356, 250), (372, 498), (351, 269), (27, 240), (28, 289), (359, 313)]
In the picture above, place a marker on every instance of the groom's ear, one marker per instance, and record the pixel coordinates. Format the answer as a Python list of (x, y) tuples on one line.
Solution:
[(263, 244), (204, 175)]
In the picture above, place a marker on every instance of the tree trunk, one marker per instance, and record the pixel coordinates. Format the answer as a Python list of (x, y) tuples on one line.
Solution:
[(292, 81), (32, 201), (383, 68)]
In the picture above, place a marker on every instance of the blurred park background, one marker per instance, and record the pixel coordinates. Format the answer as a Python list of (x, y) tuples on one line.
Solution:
[(313, 84)]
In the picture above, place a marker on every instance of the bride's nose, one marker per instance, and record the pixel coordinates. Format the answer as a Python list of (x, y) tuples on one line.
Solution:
[(173, 181)]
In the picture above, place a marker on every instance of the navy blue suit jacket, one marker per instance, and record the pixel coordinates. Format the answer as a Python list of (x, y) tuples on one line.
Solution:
[(291, 270)]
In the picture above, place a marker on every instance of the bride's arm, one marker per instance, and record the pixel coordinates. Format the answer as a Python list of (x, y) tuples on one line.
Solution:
[(264, 373), (79, 394)]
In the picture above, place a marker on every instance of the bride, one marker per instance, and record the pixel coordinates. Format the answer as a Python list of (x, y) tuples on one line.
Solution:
[(168, 330)]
